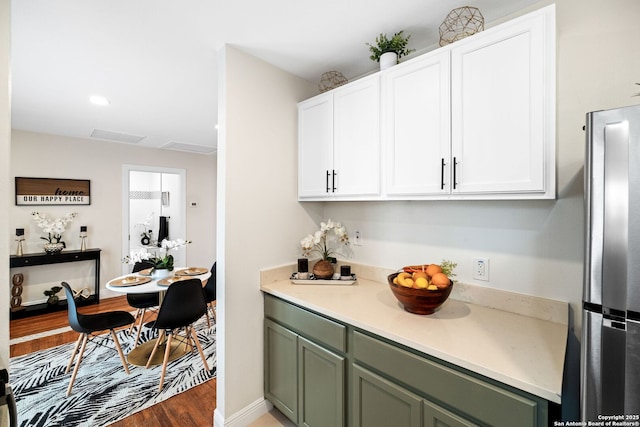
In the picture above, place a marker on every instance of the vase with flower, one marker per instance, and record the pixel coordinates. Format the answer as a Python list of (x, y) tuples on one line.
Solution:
[(162, 264), (326, 242), (54, 229)]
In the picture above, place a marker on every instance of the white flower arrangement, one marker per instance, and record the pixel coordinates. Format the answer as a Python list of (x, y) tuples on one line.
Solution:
[(159, 262), (53, 227), (320, 241)]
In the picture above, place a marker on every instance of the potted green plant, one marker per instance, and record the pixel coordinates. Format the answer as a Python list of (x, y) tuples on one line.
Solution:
[(51, 294), (388, 51)]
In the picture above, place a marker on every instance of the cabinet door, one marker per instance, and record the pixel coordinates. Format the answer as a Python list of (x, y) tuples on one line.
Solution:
[(378, 402), (321, 385), (417, 126), (503, 109), (281, 369), (315, 146), (356, 146), (435, 416)]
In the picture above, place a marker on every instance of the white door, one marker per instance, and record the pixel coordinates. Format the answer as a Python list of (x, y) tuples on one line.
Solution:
[(315, 147), (356, 145), (417, 127), (500, 109), (151, 196)]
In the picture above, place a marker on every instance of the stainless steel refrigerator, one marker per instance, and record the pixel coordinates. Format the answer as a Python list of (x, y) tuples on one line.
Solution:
[(610, 371)]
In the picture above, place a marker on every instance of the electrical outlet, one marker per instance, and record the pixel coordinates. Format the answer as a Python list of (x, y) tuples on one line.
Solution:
[(481, 269), (357, 238)]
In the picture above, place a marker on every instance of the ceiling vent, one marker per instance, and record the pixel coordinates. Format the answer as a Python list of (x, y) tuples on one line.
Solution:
[(116, 136), (181, 146)]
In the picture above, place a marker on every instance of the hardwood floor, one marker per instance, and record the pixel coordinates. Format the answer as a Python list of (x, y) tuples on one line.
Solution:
[(192, 408)]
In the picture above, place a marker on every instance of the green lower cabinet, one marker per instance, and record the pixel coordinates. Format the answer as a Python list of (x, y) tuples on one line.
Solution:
[(281, 368), (321, 386), (302, 379), (378, 402), (323, 373)]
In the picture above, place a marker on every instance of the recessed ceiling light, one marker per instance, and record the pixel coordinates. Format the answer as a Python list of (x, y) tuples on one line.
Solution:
[(99, 100)]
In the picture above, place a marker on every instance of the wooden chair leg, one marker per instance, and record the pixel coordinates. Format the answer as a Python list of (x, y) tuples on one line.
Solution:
[(75, 370), (73, 355), (155, 347), (197, 342), (117, 343), (187, 336), (144, 310), (165, 361), (211, 305), (135, 321)]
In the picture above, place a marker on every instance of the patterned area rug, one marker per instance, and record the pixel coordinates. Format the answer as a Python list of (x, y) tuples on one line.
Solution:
[(103, 393)]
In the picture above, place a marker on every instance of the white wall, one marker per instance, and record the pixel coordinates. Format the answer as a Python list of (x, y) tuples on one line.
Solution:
[(535, 247), (5, 144), (41, 155), (260, 221)]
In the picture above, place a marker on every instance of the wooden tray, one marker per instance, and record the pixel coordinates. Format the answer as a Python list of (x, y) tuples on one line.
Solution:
[(167, 281), (191, 271), (125, 283)]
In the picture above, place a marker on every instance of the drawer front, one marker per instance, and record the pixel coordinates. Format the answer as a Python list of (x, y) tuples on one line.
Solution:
[(486, 402), (306, 323)]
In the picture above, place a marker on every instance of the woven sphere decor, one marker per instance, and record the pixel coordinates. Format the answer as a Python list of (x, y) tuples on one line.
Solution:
[(331, 80), (460, 23)]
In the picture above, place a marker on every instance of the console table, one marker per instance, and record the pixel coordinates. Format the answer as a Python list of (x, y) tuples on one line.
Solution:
[(31, 260)]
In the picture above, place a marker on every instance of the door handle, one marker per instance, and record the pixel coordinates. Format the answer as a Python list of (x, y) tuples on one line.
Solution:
[(442, 174), (455, 170), (333, 184), (327, 182)]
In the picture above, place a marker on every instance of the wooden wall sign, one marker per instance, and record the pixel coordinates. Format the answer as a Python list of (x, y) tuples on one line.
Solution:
[(52, 191)]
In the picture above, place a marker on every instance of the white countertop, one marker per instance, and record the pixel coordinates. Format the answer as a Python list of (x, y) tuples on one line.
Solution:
[(521, 351)]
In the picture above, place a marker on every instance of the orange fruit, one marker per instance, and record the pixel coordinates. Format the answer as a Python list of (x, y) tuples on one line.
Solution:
[(433, 269), (419, 274), (440, 280)]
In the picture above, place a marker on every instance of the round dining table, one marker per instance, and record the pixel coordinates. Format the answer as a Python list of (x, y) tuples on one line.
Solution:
[(143, 282)]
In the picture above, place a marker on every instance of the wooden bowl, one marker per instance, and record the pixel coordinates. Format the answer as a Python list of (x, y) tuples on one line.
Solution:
[(419, 301)]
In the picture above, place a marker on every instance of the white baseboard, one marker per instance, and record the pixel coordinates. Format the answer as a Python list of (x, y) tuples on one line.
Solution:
[(245, 416)]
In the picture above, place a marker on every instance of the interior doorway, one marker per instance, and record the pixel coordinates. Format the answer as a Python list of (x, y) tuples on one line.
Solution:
[(154, 208)]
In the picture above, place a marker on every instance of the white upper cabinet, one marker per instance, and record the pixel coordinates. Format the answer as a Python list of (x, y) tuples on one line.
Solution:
[(417, 127), (315, 145), (356, 143), (503, 110), (339, 143), (471, 120)]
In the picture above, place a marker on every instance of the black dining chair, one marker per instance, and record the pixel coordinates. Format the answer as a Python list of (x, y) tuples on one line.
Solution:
[(88, 324), (141, 302), (183, 304), (210, 295)]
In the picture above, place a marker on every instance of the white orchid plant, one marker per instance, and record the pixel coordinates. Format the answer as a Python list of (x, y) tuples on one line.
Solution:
[(159, 262), (321, 241), (53, 227)]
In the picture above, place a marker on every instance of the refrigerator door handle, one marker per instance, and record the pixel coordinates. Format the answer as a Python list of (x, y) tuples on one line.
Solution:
[(616, 215), (613, 367)]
